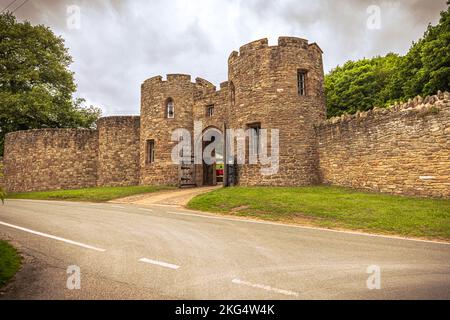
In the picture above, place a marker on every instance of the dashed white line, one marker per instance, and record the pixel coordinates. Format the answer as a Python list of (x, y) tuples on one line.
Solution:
[(145, 209), (120, 207), (53, 237), (265, 287), (160, 263)]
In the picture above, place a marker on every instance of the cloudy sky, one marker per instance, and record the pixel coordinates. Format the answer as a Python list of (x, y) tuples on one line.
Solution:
[(116, 44)]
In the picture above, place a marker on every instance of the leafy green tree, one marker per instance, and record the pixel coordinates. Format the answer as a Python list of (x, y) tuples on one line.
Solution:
[(380, 81), (36, 85), (426, 67), (360, 85)]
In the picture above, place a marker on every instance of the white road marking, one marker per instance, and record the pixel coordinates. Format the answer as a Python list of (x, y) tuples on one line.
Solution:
[(144, 209), (265, 287), (260, 222), (160, 263), (52, 237), (309, 228), (120, 207)]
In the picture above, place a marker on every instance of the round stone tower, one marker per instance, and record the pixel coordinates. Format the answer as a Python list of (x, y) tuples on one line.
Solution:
[(279, 87), (165, 106)]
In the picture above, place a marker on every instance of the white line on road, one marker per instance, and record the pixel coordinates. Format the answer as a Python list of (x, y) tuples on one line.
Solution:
[(52, 237), (307, 227), (265, 287), (120, 207), (144, 209), (160, 263)]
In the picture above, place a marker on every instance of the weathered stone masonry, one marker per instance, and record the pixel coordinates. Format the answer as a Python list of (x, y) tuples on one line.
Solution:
[(118, 152), (403, 150), (50, 159)]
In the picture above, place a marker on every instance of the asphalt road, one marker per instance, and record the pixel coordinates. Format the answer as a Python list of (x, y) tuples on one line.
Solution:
[(160, 252)]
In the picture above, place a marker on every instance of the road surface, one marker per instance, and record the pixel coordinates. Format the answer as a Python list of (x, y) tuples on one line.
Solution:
[(129, 251)]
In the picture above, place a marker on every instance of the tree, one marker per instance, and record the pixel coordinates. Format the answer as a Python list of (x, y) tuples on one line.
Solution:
[(380, 81), (426, 67), (360, 85), (36, 85)]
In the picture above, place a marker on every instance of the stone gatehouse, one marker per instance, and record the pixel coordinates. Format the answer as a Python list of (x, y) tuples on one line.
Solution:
[(404, 149)]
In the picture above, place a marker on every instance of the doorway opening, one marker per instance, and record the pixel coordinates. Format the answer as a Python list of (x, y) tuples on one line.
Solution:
[(212, 163)]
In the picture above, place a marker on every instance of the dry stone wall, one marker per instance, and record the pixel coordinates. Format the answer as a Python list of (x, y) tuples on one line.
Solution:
[(404, 149), (118, 157), (49, 159)]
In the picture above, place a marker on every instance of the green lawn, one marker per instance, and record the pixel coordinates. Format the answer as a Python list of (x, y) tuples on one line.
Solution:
[(97, 194), (9, 262), (333, 207)]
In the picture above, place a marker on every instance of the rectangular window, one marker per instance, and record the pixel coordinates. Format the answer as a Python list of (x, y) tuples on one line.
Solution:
[(301, 82), (254, 138), (210, 111), (150, 151)]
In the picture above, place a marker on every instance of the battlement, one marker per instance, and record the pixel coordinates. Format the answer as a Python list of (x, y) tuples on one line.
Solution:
[(176, 77), (254, 45), (315, 46), (171, 78), (180, 78), (224, 85), (292, 42), (205, 84)]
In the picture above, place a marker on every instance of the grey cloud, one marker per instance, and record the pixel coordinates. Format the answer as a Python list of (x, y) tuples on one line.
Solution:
[(121, 43)]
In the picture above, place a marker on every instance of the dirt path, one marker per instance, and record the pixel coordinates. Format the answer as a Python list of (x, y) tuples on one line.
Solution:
[(178, 197)]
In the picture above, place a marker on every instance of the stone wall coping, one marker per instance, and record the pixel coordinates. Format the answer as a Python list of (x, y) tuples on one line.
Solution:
[(412, 106), (118, 118), (52, 130)]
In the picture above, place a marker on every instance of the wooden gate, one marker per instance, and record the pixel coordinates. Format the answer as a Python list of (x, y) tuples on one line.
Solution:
[(186, 174)]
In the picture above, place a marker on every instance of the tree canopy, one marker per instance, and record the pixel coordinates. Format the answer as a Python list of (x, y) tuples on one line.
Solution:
[(380, 81), (36, 84)]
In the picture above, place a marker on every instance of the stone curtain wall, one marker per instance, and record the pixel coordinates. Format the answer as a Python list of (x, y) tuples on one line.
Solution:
[(49, 159), (401, 150), (118, 157)]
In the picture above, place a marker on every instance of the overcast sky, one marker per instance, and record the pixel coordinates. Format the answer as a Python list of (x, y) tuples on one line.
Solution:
[(118, 44)]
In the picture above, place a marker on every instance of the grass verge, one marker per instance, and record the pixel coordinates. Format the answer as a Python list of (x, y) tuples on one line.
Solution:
[(97, 194), (9, 262), (333, 207)]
